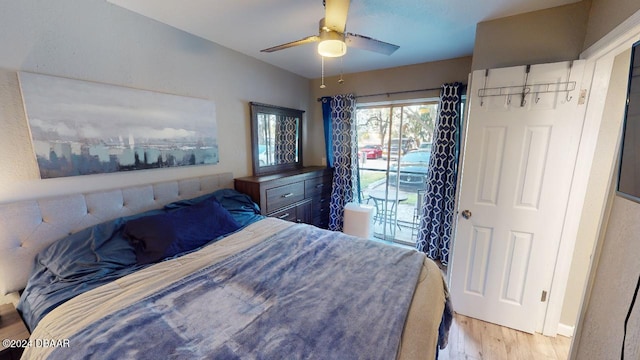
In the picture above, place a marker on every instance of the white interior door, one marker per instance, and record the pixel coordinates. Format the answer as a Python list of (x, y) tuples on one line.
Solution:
[(517, 168)]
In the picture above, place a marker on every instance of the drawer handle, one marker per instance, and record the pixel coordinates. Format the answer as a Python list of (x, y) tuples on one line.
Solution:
[(287, 195), (283, 216), (319, 186)]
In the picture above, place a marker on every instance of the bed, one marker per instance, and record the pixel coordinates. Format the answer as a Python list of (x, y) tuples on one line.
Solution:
[(190, 269)]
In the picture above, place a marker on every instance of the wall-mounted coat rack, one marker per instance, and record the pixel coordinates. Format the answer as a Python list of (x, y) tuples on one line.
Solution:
[(526, 89)]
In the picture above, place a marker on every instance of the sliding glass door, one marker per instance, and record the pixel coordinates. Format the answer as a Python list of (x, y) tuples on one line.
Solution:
[(395, 148)]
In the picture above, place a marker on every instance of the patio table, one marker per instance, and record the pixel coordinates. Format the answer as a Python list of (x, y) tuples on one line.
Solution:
[(386, 206)]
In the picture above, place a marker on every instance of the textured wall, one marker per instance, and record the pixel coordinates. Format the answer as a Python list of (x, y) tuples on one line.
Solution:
[(605, 15), (17, 158), (97, 41), (615, 279), (544, 36)]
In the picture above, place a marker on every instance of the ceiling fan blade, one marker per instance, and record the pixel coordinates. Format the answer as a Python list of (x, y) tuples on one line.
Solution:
[(306, 40), (335, 17), (367, 43)]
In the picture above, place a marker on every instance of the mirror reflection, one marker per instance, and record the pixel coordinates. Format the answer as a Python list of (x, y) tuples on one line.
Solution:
[(276, 138)]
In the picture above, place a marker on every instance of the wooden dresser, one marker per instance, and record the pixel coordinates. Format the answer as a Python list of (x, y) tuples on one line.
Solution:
[(299, 195)]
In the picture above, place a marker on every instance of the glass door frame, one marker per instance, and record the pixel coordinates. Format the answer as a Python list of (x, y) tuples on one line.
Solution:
[(388, 207)]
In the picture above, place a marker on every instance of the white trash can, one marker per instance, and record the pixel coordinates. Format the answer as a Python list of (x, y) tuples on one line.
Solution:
[(358, 220)]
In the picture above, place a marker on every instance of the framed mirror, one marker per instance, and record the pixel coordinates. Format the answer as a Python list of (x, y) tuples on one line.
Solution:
[(276, 138)]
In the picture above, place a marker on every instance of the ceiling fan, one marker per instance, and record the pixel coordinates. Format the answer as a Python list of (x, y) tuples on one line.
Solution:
[(332, 38)]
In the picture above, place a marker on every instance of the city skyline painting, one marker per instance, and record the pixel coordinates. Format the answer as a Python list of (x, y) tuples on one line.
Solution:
[(80, 127)]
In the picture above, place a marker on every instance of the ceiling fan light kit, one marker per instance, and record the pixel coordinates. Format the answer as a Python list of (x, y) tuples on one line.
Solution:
[(332, 47), (332, 38)]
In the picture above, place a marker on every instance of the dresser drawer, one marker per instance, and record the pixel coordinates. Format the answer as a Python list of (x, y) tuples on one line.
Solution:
[(301, 195), (321, 208), (317, 186), (281, 196), (300, 213), (288, 214), (321, 222)]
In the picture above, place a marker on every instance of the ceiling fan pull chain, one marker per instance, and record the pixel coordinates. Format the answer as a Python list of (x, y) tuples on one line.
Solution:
[(322, 85), (341, 80)]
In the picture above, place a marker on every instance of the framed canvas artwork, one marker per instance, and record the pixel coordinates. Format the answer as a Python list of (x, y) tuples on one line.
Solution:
[(81, 127)]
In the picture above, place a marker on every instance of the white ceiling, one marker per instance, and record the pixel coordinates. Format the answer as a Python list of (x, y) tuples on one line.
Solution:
[(425, 30)]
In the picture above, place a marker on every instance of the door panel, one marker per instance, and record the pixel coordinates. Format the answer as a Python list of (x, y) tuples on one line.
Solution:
[(519, 249), (519, 157), (534, 156), (489, 174), (479, 261)]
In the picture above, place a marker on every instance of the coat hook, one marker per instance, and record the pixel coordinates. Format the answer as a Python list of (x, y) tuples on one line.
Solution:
[(567, 97), (486, 75), (525, 90)]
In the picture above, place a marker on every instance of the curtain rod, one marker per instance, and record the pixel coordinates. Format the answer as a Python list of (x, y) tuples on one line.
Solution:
[(394, 92)]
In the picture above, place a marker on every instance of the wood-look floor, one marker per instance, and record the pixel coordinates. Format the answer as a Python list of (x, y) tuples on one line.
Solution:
[(475, 340)]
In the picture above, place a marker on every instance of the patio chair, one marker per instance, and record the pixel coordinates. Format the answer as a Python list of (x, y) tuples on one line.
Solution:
[(417, 213), (364, 197)]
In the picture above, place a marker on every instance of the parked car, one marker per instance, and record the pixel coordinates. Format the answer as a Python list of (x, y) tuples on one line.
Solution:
[(372, 151), (413, 170), (425, 146), (398, 148)]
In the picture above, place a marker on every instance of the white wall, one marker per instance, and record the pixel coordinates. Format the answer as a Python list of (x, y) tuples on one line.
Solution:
[(96, 41)]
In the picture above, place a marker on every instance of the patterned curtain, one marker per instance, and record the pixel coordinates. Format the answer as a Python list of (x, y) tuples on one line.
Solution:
[(286, 141), (434, 236), (326, 120), (344, 154)]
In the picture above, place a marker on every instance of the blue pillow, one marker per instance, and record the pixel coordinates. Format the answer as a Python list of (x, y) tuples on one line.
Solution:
[(239, 205), (150, 236), (175, 232)]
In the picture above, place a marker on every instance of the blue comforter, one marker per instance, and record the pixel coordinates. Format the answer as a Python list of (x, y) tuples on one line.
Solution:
[(100, 254), (303, 293)]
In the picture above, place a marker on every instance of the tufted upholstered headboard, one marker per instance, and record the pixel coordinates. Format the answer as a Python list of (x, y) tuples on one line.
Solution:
[(26, 227)]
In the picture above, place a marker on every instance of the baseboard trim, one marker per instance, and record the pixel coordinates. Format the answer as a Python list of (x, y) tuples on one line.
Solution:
[(565, 330)]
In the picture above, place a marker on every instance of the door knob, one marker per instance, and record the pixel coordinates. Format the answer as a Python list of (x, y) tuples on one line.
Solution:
[(466, 214)]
